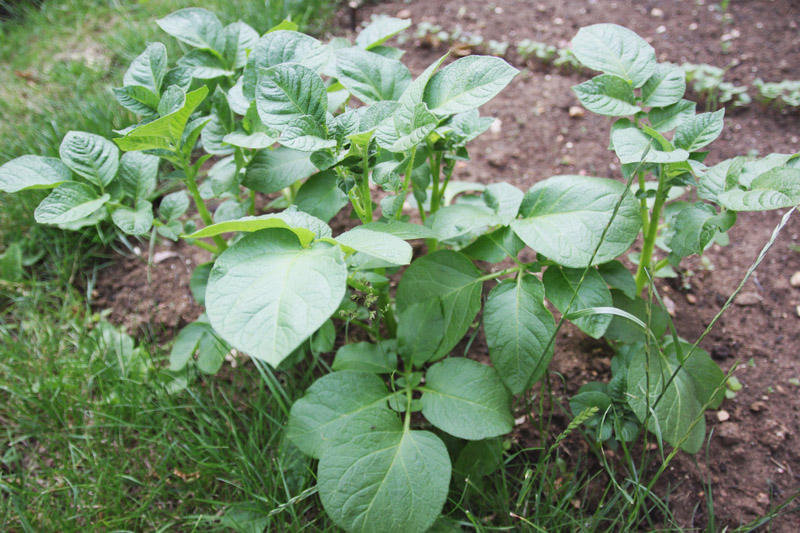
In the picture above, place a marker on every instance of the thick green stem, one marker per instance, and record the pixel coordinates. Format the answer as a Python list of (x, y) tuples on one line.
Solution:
[(494, 275), (436, 163), (191, 184), (650, 237)]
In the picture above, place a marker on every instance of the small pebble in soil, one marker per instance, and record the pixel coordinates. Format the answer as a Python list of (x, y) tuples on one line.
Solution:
[(795, 279), (691, 299), (723, 415), (404, 14), (747, 298), (762, 498), (577, 112), (661, 29), (757, 407), (656, 13)]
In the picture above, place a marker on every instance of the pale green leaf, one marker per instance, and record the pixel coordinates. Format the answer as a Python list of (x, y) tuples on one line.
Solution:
[(306, 227), (173, 205), (267, 293), (321, 197), (196, 27), (91, 156), (272, 170), (69, 202), (668, 118), (33, 172), (137, 174), (380, 245), (370, 77), (633, 146), (615, 50), (380, 30), (289, 91), (375, 358), (137, 221), (699, 131), (665, 87), (467, 84), (775, 189), (607, 95), (148, 69)]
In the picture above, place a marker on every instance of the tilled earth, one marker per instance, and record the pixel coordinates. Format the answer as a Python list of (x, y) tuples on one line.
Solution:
[(755, 456)]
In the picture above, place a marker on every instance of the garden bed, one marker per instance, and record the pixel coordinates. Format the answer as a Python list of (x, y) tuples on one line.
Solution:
[(754, 460)]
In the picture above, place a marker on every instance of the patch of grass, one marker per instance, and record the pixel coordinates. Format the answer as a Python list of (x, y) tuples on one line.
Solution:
[(61, 60)]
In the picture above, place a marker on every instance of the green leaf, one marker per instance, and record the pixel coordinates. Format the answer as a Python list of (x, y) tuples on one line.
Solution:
[(495, 246), (306, 135), (451, 278), (138, 173), (366, 357), (137, 221), (272, 170), (287, 92), (615, 50), (198, 337), (634, 146), (306, 227), (137, 99), (196, 27), (165, 132), (69, 202), (239, 39), (708, 378), (385, 480), (665, 87), (607, 95), (695, 227), (668, 118), (319, 196), (407, 128), (420, 331), (204, 65), (380, 30), (593, 292), (469, 125), (458, 220), (336, 406), (198, 282), (251, 141), (699, 131), (518, 327), (370, 77), (564, 218), (466, 399), (148, 69), (479, 458), (267, 293), (720, 178), (753, 169), (383, 246), (404, 230), (775, 189), (173, 205), (33, 172), (617, 276), (623, 330), (467, 84), (504, 199), (679, 405), (11, 265), (90, 156), (284, 46)]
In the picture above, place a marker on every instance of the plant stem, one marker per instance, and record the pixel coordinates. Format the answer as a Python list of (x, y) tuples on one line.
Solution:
[(366, 197), (650, 237), (191, 184), (494, 275), (406, 183)]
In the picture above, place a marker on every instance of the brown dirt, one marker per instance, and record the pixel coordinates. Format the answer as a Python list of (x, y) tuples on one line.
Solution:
[(755, 454)]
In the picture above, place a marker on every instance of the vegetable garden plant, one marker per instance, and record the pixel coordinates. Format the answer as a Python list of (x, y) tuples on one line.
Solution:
[(280, 113)]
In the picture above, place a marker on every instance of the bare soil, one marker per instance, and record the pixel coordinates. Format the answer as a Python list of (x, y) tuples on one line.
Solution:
[(755, 453)]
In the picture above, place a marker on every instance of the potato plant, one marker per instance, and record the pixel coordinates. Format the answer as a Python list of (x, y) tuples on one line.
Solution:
[(345, 125)]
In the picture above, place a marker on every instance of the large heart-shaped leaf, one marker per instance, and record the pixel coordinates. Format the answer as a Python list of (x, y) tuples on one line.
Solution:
[(665, 87), (196, 27), (267, 293), (560, 283), (272, 170), (607, 95), (137, 221), (148, 69), (775, 189), (371, 77), (137, 174), (564, 218), (289, 91)]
